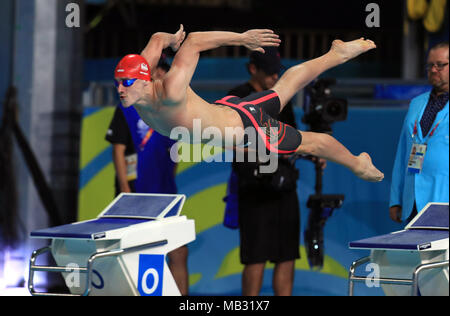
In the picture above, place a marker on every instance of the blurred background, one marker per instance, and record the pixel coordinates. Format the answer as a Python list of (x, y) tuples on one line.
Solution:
[(56, 80)]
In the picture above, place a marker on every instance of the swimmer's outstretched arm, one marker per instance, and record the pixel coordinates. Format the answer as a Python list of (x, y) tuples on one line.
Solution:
[(158, 42), (252, 39), (327, 147), (178, 78)]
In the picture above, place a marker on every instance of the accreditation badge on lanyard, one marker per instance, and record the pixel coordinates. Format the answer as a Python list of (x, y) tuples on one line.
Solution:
[(418, 151), (131, 162)]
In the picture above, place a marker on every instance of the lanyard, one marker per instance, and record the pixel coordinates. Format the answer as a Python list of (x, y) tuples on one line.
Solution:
[(146, 139), (432, 131)]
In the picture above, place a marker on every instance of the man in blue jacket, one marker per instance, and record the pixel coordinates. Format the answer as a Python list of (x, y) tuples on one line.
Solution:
[(420, 173)]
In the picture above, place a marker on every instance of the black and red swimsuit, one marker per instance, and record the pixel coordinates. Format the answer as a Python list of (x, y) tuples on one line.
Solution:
[(256, 110)]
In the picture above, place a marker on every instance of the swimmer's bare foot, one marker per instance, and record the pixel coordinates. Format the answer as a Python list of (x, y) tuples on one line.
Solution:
[(345, 51), (366, 170), (178, 38)]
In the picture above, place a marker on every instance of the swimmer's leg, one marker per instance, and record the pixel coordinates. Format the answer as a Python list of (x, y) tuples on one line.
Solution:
[(297, 77), (327, 147)]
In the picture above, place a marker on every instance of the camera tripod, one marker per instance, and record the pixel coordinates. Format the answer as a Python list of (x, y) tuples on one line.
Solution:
[(321, 208)]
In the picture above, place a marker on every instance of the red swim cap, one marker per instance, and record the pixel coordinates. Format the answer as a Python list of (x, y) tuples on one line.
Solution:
[(133, 66)]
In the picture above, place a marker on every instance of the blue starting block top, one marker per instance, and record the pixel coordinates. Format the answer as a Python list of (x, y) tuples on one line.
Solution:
[(403, 240), (434, 216), (430, 225), (148, 206), (93, 229), (126, 210)]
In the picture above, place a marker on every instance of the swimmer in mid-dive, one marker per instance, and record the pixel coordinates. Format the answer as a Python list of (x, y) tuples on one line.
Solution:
[(169, 103)]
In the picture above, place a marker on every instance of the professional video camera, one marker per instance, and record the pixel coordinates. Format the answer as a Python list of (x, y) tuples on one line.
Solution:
[(321, 109)]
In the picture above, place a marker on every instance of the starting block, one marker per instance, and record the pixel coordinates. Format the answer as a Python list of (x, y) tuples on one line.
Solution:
[(121, 252), (416, 256)]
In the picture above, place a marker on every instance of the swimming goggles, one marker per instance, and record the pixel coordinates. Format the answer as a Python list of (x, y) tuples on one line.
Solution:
[(126, 82)]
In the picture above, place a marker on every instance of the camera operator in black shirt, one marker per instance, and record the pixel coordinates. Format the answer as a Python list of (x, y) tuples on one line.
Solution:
[(268, 206)]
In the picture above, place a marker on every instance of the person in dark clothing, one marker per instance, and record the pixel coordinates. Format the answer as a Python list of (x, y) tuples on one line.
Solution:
[(268, 206)]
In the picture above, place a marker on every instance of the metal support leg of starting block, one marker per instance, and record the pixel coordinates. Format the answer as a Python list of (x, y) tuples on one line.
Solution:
[(414, 282), (87, 270), (419, 269)]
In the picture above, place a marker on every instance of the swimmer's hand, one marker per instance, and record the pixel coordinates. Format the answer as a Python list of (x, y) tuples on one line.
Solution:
[(178, 38), (366, 170), (257, 39)]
